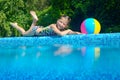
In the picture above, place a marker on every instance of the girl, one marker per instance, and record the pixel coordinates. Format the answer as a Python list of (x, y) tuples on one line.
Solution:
[(52, 29)]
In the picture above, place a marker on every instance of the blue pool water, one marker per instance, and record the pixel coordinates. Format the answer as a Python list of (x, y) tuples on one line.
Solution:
[(73, 57)]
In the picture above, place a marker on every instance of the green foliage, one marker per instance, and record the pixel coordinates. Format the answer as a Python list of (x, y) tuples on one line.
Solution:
[(48, 16), (17, 11), (8, 12), (48, 11)]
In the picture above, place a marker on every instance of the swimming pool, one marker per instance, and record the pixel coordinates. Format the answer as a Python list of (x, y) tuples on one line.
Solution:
[(71, 57)]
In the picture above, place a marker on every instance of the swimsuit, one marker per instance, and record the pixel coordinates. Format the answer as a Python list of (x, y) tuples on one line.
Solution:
[(47, 31), (34, 30)]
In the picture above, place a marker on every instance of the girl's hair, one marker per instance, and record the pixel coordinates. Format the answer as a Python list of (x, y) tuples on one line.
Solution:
[(66, 17)]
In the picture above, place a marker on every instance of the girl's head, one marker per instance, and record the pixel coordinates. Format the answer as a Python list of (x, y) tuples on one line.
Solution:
[(63, 22)]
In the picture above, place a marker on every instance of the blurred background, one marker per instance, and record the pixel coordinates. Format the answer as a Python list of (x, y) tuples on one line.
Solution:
[(107, 12)]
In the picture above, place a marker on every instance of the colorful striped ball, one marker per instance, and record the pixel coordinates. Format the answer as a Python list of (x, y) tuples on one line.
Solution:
[(90, 26)]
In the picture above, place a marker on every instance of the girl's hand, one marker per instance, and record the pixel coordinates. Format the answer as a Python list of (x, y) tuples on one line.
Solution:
[(73, 32), (78, 33)]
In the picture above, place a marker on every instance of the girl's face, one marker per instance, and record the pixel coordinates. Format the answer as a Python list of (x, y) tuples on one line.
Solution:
[(62, 23)]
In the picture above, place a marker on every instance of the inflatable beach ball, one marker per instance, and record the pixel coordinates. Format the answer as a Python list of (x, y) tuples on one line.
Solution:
[(90, 26)]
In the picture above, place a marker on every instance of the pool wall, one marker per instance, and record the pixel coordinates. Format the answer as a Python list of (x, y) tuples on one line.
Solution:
[(111, 39)]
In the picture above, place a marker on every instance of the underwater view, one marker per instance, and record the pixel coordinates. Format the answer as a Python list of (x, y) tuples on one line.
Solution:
[(71, 57), (62, 62)]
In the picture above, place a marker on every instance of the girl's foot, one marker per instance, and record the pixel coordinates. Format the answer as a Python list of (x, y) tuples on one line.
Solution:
[(13, 24), (34, 15)]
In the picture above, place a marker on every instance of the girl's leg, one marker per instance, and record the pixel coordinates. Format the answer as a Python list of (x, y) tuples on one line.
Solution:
[(20, 29), (35, 19), (28, 32)]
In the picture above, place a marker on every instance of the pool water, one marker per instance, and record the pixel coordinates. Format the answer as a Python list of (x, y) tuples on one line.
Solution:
[(70, 57), (60, 61)]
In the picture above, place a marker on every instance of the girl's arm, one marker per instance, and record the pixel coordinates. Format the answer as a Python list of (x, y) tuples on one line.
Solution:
[(74, 32), (57, 31)]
